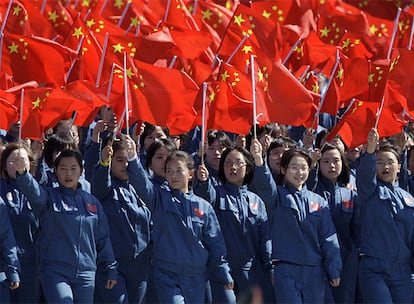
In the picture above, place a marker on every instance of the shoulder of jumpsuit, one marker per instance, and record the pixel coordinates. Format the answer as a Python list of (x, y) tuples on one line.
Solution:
[(224, 193), (384, 190), (198, 203), (159, 181), (256, 204), (408, 199)]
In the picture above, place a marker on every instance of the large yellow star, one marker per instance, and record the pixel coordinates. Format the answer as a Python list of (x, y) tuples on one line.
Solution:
[(340, 74), (53, 16), (118, 48), (247, 49), (36, 103), (266, 14), (16, 10), (346, 43), (260, 75), (315, 87), (13, 48), (373, 29), (224, 75), (324, 32), (90, 23), (212, 96), (77, 32), (86, 3), (119, 4), (239, 19), (129, 73), (371, 78), (134, 21), (206, 14)]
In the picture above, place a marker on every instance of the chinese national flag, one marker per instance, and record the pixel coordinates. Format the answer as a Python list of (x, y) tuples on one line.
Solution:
[(377, 79), (8, 111), (401, 75), (42, 109), (17, 20), (358, 121), (36, 58)]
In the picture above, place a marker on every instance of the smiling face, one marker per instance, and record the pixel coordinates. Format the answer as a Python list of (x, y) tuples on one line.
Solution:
[(330, 165), (387, 166), (68, 172), (297, 172)]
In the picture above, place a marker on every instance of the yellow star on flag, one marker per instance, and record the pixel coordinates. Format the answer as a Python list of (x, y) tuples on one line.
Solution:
[(207, 14), (36, 103), (247, 49), (90, 23), (239, 20), (266, 14), (78, 32), (53, 16), (119, 4), (13, 48), (324, 32), (224, 75), (16, 10), (118, 48)]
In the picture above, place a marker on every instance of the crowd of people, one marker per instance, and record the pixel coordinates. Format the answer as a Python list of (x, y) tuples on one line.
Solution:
[(278, 215)]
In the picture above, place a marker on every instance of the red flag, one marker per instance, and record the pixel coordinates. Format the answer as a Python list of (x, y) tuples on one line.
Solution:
[(8, 111), (36, 58), (362, 116), (17, 20), (401, 75)]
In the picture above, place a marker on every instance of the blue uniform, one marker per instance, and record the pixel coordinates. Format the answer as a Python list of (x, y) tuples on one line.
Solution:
[(9, 263), (387, 237), (26, 229), (243, 221), (345, 211), (305, 246), (73, 242), (130, 226), (187, 240)]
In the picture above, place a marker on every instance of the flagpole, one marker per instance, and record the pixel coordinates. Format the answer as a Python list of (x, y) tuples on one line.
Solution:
[(305, 72), (124, 12), (323, 96), (138, 29), (42, 8), (173, 60), (253, 95), (74, 61), (103, 7), (6, 15), (101, 62), (71, 28), (126, 95), (379, 111), (72, 119), (1, 49), (237, 48), (410, 44), (291, 51), (203, 122), (111, 79), (394, 32), (21, 114), (195, 4), (167, 10)]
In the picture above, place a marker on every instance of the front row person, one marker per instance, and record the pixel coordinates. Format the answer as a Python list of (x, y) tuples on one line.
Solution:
[(305, 247), (187, 240), (74, 239), (9, 263)]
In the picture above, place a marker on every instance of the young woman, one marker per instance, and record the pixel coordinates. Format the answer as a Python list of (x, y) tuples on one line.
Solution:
[(9, 263), (187, 240), (130, 226), (387, 219), (243, 220), (305, 246), (74, 238), (333, 185), (25, 223)]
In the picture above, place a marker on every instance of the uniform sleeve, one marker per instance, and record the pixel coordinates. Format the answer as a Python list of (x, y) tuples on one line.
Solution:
[(106, 258), (366, 176), (356, 221), (9, 260), (35, 193), (265, 243), (214, 241), (139, 179), (100, 182), (265, 185), (205, 190), (91, 157), (328, 241)]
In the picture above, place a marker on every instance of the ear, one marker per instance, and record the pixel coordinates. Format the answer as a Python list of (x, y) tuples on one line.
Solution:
[(191, 173)]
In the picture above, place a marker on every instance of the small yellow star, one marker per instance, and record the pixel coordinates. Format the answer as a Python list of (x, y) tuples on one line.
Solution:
[(118, 48)]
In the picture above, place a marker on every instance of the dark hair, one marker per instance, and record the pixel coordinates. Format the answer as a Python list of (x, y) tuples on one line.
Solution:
[(148, 129), (153, 148), (343, 177), (319, 137), (287, 157), (220, 136), (387, 147), (9, 150), (69, 153), (281, 142), (57, 143), (181, 155), (249, 164)]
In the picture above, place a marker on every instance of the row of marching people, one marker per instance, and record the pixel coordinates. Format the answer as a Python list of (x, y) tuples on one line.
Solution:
[(166, 226)]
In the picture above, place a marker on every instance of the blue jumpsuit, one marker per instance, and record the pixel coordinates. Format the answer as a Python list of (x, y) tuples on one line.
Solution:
[(26, 229), (9, 263), (387, 237), (187, 241), (305, 246), (243, 221), (73, 241), (345, 211), (130, 226)]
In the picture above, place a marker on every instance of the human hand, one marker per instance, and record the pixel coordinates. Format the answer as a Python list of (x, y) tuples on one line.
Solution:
[(14, 285), (110, 284), (202, 173)]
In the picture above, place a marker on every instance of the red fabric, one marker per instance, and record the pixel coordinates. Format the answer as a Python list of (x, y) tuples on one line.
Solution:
[(8, 111)]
